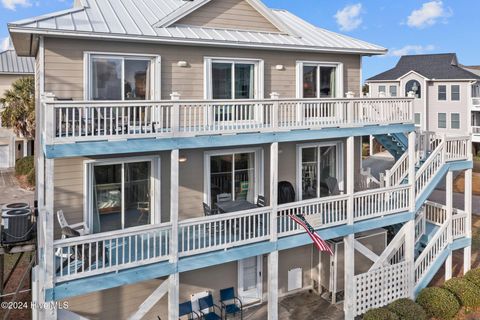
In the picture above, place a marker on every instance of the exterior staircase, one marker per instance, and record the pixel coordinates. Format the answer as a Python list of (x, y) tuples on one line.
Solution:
[(435, 230), (395, 143)]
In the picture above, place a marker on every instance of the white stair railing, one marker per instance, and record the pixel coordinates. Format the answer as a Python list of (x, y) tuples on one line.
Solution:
[(393, 253), (397, 173), (420, 224), (431, 252), (429, 169)]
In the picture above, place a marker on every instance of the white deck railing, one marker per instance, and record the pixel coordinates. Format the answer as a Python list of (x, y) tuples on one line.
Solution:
[(71, 121), (223, 231), (380, 202), (111, 251)]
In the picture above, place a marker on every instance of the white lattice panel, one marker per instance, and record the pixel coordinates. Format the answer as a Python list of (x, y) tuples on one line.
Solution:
[(379, 287)]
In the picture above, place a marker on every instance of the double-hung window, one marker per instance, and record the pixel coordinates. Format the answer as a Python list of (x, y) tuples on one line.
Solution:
[(455, 92), (442, 93), (455, 120), (318, 80), (393, 91), (418, 118), (442, 120), (121, 77), (382, 91)]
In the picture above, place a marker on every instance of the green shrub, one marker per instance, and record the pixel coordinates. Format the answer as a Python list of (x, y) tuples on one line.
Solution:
[(466, 291), (473, 276), (407, 309), (24, 166), (380, 314), (438, 303), (31, 178)]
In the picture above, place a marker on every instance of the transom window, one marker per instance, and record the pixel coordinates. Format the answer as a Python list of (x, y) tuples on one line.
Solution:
[(442, 93), (320, 170), (319, 81), (112, 77), (121, 193), (455, 92), (415, 87)]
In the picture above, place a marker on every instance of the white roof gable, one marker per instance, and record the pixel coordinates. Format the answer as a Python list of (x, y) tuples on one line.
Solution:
[(150, 20)]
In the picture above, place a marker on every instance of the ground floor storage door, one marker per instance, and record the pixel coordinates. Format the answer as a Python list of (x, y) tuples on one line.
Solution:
[(4, 156), (250, 279)]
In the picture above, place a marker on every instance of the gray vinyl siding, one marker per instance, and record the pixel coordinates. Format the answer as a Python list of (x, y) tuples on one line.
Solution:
[(64, 66), (228, 14)]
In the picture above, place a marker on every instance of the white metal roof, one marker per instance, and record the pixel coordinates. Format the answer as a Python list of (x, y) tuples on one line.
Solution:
[(12, 64), (142, 20)]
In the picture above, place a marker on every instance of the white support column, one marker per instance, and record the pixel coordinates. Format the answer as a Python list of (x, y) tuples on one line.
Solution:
[(273, 256), (410, 225), (371, 145), (467, 252), (449, 203), (25, 148), (175, 122), (349, 240), (173, 288), (48, 232)]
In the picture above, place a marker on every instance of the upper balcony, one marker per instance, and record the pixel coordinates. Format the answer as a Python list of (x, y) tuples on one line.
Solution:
[(68, 122)]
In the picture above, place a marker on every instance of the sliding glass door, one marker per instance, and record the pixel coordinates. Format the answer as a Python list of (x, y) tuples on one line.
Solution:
[(234, 174), (121, 195), (320, 172)]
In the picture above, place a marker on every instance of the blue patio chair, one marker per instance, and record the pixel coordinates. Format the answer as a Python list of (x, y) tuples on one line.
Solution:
[(230, 303), (206, 303), (185, 309)]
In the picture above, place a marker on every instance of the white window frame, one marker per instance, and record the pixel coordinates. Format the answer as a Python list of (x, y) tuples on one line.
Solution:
[(438, 92), (259, 170), (384, 91), (459, 92), (339, 169), (438, 120), (459, 121), (155, 186), (258, 91), (390, 91), (338, 77), (155, 71)]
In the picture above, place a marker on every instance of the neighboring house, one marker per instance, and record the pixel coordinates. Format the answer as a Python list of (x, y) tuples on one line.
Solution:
[(178, 137), (13, 67), (475, 109), (445, 92)]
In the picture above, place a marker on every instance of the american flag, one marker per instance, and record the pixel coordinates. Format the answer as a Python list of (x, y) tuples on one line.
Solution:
[(317, 241)]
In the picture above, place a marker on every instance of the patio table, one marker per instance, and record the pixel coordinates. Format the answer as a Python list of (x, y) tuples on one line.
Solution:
[(234, 206)]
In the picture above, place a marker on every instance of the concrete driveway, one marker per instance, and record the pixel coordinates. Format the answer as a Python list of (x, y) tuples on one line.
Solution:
[(10, 191)]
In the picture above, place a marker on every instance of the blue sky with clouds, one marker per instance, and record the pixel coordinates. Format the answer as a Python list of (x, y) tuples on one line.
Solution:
[(404, 27)]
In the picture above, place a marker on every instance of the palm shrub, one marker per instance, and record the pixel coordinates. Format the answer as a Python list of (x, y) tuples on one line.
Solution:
[(438, 303), (380, 314), (467, 293), (19, 104), (407, 309), (473, 276)]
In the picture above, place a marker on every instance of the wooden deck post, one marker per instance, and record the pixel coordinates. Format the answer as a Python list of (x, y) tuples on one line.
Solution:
[(273, 256), (349, 240), (467, 251), (173, 288), (410, 225), (449, 203)]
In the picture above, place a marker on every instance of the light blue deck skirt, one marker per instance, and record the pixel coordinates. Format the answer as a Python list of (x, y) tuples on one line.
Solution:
[(457, 244), (95, 283), (450, 166), (154, 145)]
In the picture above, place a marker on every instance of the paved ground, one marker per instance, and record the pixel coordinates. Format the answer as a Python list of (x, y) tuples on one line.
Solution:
[(379, 163), (302, 306), (458, 200), (10, 191)]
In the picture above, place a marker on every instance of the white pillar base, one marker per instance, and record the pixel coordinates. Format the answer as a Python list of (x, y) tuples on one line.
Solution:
[(467, 259), (273, 286), (448, 267)]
